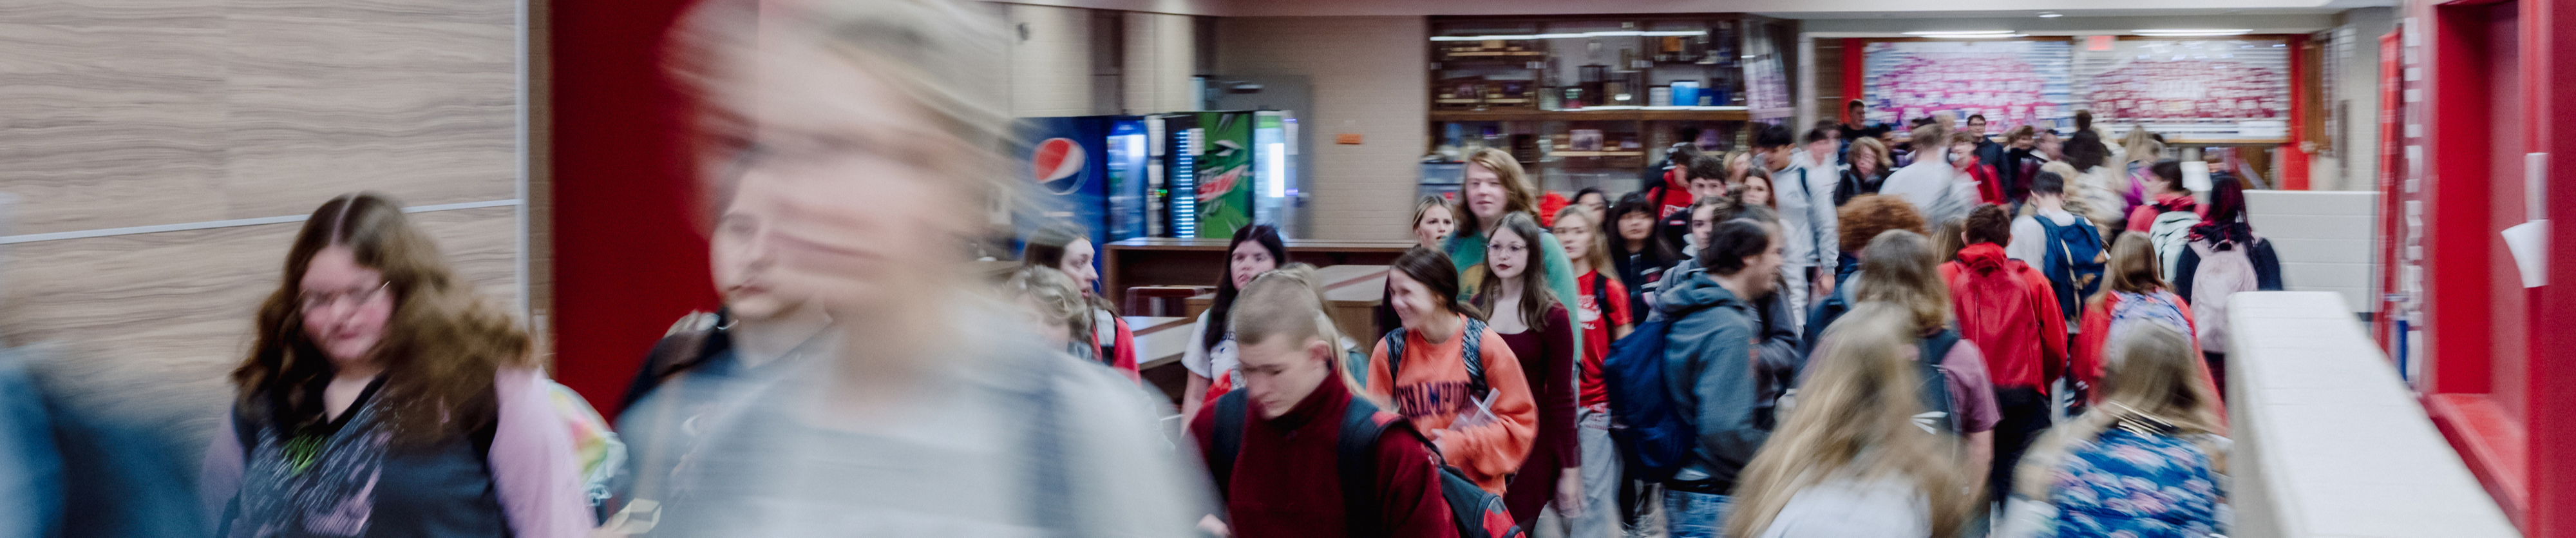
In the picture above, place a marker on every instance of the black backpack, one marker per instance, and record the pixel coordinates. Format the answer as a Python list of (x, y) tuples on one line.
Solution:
[(1476, 513), (1936, 385)]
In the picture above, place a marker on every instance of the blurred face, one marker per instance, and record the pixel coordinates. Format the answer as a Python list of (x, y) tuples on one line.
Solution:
[(1597, 203), (1977, 126), (344, 305), (865, 195), (1250, 259), (1435, 225), (1822, 151), (1707, 187), (1507, 254), (1636, 226), (2053, 146), (1702, 220), (1855, 114), (1077, 264), (1777, 159), (742, 259), (1757, 191), (1766, 266), (1414, 303), (2023, 142), (1864, 160), (1281, 371), (1963, 155), (1485, 194), (1576, 236)]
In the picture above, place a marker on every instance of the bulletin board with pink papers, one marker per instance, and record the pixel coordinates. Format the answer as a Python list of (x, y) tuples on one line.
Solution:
[(2012, 83), (2230, 89)]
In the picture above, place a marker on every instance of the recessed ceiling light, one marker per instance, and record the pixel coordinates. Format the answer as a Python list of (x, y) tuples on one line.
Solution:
[(2050, 14)]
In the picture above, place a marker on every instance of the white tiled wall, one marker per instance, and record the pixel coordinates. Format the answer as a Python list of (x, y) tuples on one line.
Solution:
[(1161, 58), (1050, 69), (1369, 78), (2326, 240)]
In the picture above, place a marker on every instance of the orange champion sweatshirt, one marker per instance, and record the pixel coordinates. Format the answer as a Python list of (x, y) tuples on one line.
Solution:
[(1433, 393)]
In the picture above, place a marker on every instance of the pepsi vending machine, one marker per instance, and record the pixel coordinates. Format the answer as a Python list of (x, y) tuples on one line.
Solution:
[(1083, 168)]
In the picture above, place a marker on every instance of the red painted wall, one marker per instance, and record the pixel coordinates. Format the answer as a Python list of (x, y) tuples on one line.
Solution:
[(628, 259)]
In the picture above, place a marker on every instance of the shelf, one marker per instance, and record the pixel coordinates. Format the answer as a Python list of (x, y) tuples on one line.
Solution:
[(1630, 114)]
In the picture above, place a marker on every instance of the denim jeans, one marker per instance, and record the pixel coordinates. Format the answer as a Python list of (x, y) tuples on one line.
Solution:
[(1696, 515)]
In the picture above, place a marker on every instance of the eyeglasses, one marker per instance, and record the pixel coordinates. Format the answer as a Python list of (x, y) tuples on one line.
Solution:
[(312, 301)]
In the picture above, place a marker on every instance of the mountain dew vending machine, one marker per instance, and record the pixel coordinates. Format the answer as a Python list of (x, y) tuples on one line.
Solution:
[(1085, 174), (1207, 157)]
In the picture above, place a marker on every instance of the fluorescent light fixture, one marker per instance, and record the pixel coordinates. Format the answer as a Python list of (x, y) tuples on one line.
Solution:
[(1957, 33), (2191, 32), (1976, 36), (1569, 35), (2050, 14)]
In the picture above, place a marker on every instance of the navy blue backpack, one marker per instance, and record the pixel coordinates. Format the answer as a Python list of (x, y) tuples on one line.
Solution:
[(1653, 436)]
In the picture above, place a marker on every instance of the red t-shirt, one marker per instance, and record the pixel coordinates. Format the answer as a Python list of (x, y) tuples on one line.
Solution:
[(1596, 333)]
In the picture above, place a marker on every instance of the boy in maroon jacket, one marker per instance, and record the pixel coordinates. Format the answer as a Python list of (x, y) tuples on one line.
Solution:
[(1283, 480)]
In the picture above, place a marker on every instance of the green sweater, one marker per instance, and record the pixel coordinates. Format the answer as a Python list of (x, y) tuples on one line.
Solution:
[(1467, 250)]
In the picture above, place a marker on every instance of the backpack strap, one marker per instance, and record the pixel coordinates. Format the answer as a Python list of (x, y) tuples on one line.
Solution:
[(1395, 353), (1471, 349), (1228, 439), (1937, 346), (1355, 460)]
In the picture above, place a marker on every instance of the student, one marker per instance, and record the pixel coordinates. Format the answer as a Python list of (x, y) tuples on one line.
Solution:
[(1672, 192), (1209, 355), (1604, 313), (1850, 461), (2094, 186), (1593, 200), (2021, 161), (760, 324), (2134, 296), (1432, 221), (2137, 154), (1772, 146), (1863, 220), (2061, 245), (2164, 193), (2008, 309), (1478, 413), (1051, 309), (1638, 252), (1541, 334), (1713, 327), (1756, 191), (1108, 339), (1932, 183), (2224, 257), (1807, 224), (1963, 149), (1868, 172), (374, 363), (1897, 270), (1856, 127), (1286, 429), (1496, 186), (2156, 434), (1987, 151)]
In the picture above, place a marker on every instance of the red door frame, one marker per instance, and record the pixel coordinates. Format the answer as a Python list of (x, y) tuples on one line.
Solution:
[(2529, 461)]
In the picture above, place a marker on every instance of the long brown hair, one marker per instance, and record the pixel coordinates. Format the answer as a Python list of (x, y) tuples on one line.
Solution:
[(2132, 268), (1854, 419), (440, 349), (1535, 294), (1433, 269)]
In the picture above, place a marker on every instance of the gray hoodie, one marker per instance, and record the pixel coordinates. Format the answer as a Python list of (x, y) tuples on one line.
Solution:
[(1709, 368)]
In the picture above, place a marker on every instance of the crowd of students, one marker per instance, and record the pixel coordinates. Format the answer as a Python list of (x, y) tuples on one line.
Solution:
[(1817, 337)]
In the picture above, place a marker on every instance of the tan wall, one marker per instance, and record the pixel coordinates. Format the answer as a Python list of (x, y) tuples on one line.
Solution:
[(114, 116), (1369, 77), (1050, 69), (1160, 61)]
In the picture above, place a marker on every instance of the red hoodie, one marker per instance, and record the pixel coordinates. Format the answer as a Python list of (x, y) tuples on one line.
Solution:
[(1285, 483), (1676, 196), (2008, 309)]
